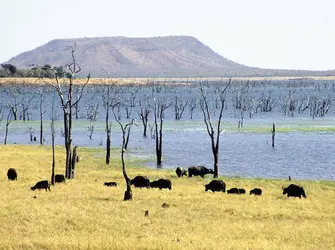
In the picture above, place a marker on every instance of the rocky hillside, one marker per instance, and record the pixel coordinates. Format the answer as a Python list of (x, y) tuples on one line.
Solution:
[(171, 56)]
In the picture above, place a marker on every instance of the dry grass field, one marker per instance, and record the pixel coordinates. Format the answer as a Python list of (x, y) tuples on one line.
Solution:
[(84, 214)]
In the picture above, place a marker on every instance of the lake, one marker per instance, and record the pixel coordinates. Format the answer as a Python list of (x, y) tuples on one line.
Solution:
[(304, 144)]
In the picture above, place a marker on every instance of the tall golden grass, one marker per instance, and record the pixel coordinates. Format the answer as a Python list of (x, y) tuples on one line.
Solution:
[(84, 214)]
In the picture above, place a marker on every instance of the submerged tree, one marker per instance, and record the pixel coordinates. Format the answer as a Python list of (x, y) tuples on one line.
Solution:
[(64, 90), (109, 101), (213, 133), (143, 113), (8, 121), (158, 108)]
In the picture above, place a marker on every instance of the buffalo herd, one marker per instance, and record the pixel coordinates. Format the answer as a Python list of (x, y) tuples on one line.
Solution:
[(143, 182)]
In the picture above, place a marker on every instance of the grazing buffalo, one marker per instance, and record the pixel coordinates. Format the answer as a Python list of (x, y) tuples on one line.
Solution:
[(140, 181), (11, 174), (241, 191), (110, 184), (216, 185), (59, 178), (161, 183), (199, 170), (294, 191), (256, 191), (42, 185), (236, 191), (181, 172)]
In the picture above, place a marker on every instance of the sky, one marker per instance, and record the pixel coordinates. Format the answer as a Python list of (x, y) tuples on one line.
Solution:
[(281, 34)]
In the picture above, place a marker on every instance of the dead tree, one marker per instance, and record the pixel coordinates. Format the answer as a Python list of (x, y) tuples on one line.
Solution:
[(124, 129), (65, 93), (41, 116), (179, 107), (143, 113), (74, 160), (90, 131), (192, 104), (214, 134), (25, 114), (158, 108), (109, 101), (8, 121), (31, 132), (15, 94), (273, 134)]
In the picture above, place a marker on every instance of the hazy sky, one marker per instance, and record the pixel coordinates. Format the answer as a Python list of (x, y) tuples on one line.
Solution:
[(285, 34)]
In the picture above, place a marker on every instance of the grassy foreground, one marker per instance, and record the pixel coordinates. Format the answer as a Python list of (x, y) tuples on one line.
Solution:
[(84, 214)]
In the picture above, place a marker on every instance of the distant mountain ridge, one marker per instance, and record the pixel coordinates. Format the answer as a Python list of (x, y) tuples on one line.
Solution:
[(170, 56)]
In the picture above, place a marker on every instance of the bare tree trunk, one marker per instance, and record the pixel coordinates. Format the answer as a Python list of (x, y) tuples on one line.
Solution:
[(216, 163), (53, 149), (9, 119), (67, 150), (128, 193), (67, 104), (108, 145), (73, 161), (70, 158), (158, 109), (215, 140), (108, 129), (41, 120), (158, 143), (273, 134), (127, 138)]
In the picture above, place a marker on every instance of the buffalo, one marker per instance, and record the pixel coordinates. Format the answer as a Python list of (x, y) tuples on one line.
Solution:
[(59, 178), (216, 185), (181, 172), (42, 185), (241, 191), (110, 184), (140, 181), (236, 191), (294, 191), (11, 174), (199, 170), (256, 191), (161, 183)]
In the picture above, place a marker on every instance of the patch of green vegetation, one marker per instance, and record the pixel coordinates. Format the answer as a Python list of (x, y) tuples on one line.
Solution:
[(287, 129)]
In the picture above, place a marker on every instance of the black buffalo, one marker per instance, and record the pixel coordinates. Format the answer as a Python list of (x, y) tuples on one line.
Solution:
[(236, 191), (59, 178), (110, 184), (256, 191), (140, 181), (294, 191), (216, 185), (11, 174), (181, 172), (241, 191), (161, 183), (199, 170), (42, 185)]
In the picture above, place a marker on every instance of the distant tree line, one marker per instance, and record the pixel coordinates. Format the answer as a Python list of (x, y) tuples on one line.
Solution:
[(46, 71)]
